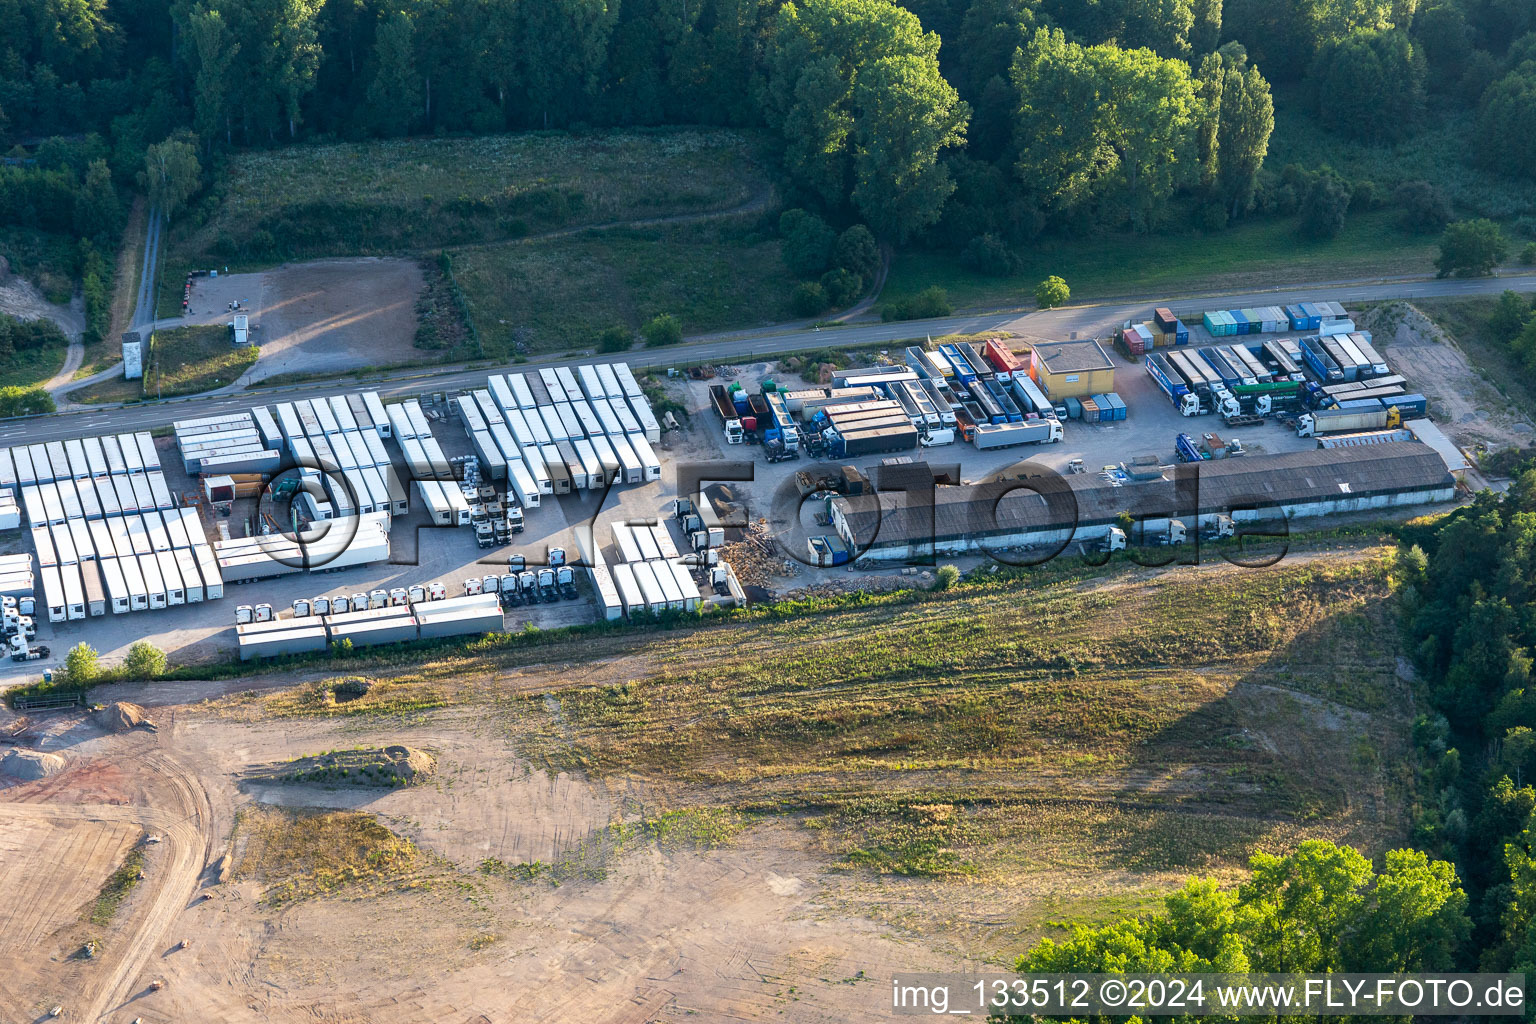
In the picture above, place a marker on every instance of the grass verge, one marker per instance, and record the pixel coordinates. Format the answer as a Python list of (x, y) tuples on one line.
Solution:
[(183, 361), (32, 366), (1253, 254)]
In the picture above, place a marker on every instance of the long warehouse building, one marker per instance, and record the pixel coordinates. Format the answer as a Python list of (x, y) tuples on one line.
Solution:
[(1253, 488)]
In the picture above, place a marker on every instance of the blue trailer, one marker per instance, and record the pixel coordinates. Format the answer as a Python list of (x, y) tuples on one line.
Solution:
[(1172, 384), (1408, 405), (1009, 406), (1320, 362), (964, 371), (1223, 367)]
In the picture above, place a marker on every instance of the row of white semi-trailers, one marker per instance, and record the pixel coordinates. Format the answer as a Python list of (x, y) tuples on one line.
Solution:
[(130, 583)]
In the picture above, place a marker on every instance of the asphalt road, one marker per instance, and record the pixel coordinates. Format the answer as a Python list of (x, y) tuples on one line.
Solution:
[(1079, 320)]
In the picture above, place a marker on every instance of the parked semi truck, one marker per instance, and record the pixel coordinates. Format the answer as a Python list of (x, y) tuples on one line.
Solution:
[(1172, 384), (727, 410), (1350, 417)]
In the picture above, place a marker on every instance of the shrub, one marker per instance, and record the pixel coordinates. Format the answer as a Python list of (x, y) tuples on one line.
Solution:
[(615, 339), (1471, 248), (1528, 254), (144, 661), (808, 299), (946, 577), (842, 287), (808, 242), (987, 254), (81, 664), (1053, 291), (857, 253), (1509, 315), (18, 401), (929, 303), (1324, 206), (663, 329), (1425, 208)]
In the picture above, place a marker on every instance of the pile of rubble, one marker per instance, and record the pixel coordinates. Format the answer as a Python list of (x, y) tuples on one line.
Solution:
[(866, 584), (756, 557)]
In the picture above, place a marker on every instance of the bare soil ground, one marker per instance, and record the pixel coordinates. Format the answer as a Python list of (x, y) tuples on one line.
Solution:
[(20, 298), (1470, 409), (526, 878), (327, 315)]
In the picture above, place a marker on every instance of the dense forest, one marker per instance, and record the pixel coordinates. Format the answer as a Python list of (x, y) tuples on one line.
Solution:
[(975, 125)]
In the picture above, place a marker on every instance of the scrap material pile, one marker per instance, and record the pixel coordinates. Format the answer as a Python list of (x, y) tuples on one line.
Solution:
[(756, 557)]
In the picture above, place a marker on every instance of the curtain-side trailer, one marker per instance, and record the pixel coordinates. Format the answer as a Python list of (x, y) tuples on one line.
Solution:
[(573, 464), (95, 593)]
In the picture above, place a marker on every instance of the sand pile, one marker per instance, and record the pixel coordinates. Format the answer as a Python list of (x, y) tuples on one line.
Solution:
[(121, 716), (30, 764)]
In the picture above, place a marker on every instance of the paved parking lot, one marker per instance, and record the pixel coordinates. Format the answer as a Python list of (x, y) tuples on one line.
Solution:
[(422, 553)]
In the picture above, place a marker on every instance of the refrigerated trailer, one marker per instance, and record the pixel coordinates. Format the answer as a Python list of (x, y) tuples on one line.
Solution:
[(74, 592), (133, 576), (53, 593), (191, 578), (116, 586)]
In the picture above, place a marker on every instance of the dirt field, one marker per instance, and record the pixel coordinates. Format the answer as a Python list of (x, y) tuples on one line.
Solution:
[(328, 315), (691, 824), (1470, 409)]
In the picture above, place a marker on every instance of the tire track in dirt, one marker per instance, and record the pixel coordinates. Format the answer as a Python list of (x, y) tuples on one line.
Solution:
[(184, 829)]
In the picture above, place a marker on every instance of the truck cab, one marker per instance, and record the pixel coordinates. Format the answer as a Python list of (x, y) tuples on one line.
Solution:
[(565, 579), (547, 591), (515, 519), (529, 584), (484, 535)]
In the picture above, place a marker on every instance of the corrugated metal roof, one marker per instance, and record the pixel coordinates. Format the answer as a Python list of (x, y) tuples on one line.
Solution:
[(1292, 478)]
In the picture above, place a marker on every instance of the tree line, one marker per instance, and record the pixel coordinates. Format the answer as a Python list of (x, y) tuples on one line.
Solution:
[(946, 121)]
